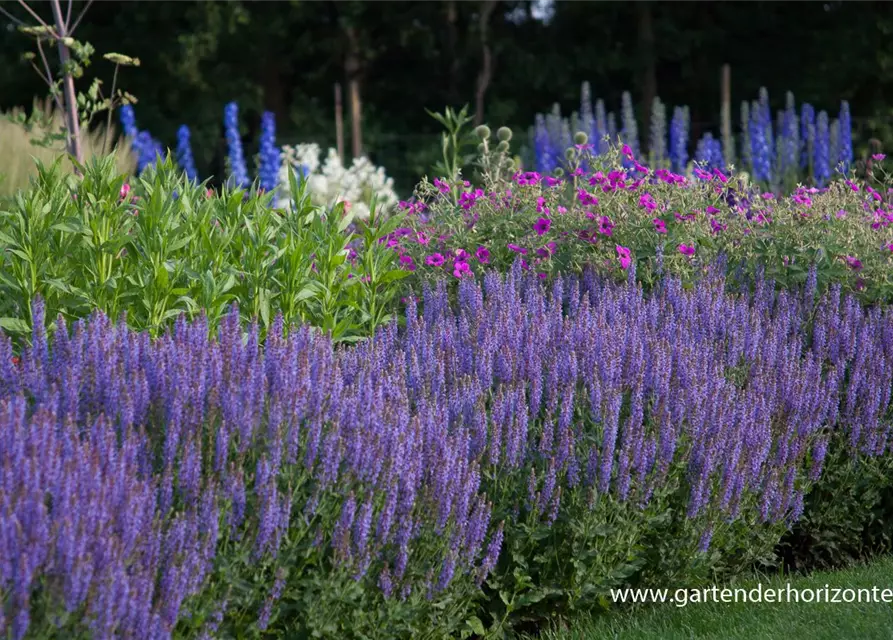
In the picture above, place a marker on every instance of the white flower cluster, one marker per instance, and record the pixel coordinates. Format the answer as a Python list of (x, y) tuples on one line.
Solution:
[(331, 182)]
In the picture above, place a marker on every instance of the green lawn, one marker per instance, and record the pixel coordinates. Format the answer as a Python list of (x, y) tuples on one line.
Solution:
[(748, 621)]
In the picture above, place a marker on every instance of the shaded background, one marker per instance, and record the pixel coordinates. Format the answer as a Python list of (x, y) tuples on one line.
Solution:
[(406, 57)]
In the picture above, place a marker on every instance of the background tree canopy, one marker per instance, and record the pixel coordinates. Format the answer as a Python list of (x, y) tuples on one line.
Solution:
[(410, 56)]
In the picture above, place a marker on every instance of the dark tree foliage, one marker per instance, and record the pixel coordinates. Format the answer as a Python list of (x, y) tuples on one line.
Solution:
[(286, 57)]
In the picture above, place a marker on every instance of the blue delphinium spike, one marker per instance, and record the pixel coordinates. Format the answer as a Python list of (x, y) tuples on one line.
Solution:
[(184, 153), (237, 166), (845, 158), (270, 156), (807, 135), (128, 121), (679, 140), (821, 160)]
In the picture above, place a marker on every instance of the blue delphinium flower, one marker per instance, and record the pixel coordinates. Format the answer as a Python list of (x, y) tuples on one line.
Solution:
[(709, 153), (766, 122), (128, 121), (679, 139), (545, 159), (148, 151), (834, 146), (270, 155), (761, 152), (138, 142), (845, 159), (807, 135), (702, 155), (716, 154), (821, 161), (237, 167), (184, 153)]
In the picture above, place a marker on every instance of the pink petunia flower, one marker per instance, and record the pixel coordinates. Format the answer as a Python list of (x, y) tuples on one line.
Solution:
[(435, 260), (483, 255), (625, 256), (686, 249), (542, 226), (461, 269)]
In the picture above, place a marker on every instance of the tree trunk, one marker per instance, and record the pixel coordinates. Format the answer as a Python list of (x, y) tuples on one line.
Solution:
[(648, 63), (352, 68), (339, 122), (274, 91), (71, 109), (485, 74), (452, 40)]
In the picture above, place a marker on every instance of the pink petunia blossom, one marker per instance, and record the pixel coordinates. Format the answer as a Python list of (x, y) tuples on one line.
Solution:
[(517, 249), (461, 269), (542, 226), (625, 256)]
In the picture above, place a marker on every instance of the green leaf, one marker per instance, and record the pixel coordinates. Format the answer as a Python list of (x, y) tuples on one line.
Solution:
[(474, 623), (14, 325)]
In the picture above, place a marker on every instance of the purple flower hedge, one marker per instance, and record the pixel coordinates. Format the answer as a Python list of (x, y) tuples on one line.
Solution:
[(517, 451)]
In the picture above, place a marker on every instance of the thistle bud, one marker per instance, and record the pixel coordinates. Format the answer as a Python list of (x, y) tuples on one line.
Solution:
[(504, 134), (482, 132), (580, 138)]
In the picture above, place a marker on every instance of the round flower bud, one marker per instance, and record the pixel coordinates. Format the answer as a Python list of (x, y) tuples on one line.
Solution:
[(569, 154), (580, 138), (503, 146), (504, 134), (482, 148), (482, 132)]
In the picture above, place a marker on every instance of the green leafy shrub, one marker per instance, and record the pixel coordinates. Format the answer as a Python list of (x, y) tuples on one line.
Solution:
[(848, 515), (604, 216), (163, 246)]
